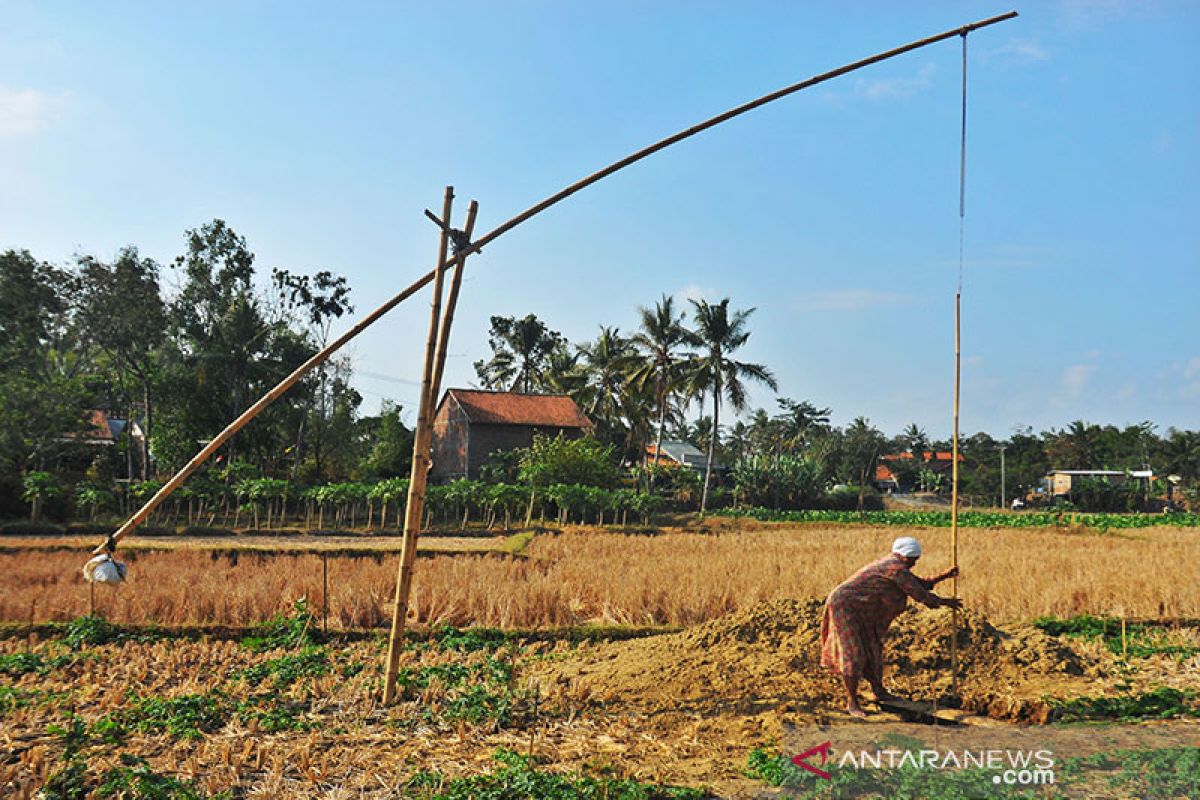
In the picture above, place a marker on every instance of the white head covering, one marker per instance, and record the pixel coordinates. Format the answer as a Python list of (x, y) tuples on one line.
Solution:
[(907, 546)]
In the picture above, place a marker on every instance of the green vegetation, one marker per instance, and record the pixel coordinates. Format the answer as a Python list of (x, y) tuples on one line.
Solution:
[(1167, 773), (968, 519), (283, 632), (905, 782), (132, 780), (1141, 639), (518, 778), (1161, 703), (310, 662)]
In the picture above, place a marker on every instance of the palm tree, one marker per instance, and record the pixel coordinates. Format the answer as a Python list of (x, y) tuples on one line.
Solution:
[(521, 349), (799, 420), (658, 343), (604, 374), (718, 335)]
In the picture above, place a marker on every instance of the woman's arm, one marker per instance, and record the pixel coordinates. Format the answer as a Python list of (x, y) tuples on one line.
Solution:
[(936, 579), (918, 590)]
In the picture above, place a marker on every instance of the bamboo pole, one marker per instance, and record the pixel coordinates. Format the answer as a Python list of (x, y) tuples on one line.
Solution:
[(954, 490), (496, 233), (420, 467), (451, 305)]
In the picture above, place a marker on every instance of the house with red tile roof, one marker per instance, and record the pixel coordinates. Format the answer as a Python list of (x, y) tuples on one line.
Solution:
[(471, 424)]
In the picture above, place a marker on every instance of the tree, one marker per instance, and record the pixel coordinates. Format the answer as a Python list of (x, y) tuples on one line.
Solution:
[(862, 445), (43, 363), (658, 342), (799, 421), (717, 335), (122, 311), (521, 350), (605, 368)]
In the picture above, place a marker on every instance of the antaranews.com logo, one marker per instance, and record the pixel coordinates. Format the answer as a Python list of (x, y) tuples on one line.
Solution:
[(1008, 767)]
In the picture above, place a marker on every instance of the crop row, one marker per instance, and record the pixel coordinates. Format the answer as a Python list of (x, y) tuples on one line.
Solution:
[(969, 519)]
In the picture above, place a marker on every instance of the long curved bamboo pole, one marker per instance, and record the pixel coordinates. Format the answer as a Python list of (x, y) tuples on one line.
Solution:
[(141, 514)]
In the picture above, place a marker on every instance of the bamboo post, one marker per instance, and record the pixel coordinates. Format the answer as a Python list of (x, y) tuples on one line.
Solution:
[(324, 593), (420, 466), (451, 304), (954, 490), (270, 397)]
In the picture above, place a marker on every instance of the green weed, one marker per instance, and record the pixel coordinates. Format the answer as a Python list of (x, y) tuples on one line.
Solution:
[(134, 780), (286, 670), (1161, 703), (1141, 639), (518, 778), (283, 631)]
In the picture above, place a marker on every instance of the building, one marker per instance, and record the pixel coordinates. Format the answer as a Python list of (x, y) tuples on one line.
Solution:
[(679, 454), (1060, 482), (896, 471), (470, 424)]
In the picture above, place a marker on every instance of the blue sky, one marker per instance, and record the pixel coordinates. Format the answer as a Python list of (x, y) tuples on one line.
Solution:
[(321, 131)]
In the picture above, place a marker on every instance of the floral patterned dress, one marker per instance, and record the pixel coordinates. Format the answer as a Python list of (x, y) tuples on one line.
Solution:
[(859, 612)]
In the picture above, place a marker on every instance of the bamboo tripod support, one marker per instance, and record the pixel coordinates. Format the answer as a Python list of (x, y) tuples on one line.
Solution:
[(435, 357)]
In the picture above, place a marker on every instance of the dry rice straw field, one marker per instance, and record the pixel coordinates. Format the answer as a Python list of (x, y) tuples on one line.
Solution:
[(591, 575)]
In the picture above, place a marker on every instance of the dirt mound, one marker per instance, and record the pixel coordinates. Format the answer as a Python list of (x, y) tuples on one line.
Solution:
[(769, 656)]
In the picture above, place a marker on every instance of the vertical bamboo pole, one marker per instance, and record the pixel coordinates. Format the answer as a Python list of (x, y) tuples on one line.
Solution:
[(954, 490), (324, 593), (420, 466)]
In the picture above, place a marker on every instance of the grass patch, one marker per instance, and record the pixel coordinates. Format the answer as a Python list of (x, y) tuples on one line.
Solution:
[(1141, 639), (518, 777), (1167, 773), (188, 716), (1161, 703), (515, 545), (903, 782), (284, 632), (310, 662)]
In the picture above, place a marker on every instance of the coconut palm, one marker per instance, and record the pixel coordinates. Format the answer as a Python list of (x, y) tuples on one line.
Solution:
[(605, 367), (521, 349), (717, 335), (658, 343), (799, 421)]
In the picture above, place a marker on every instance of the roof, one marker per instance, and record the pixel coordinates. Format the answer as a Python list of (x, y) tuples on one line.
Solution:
[(940, 455), (1086, 472), (513, 408), (684, 453)]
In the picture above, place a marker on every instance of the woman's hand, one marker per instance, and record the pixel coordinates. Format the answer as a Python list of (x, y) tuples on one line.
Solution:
[(950, 573), (950, 602)]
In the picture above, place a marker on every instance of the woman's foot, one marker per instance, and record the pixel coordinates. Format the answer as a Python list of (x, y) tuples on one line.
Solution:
[(855, 710)]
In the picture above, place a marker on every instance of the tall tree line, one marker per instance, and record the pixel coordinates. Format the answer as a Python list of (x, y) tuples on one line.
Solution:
[(107, 335)]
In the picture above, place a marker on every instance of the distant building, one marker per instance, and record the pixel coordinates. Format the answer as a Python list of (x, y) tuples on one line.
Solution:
[(469, 425), (679, 454), (887, 479), (1060, 482)]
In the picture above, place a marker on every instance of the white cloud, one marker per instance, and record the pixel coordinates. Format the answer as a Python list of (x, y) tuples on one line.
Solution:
[(1075, 379), (1191, 379), (852, 300), (1019, 51), (1093, 14), (895, 88), (694, 291), (27, 111), (975, 361)]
